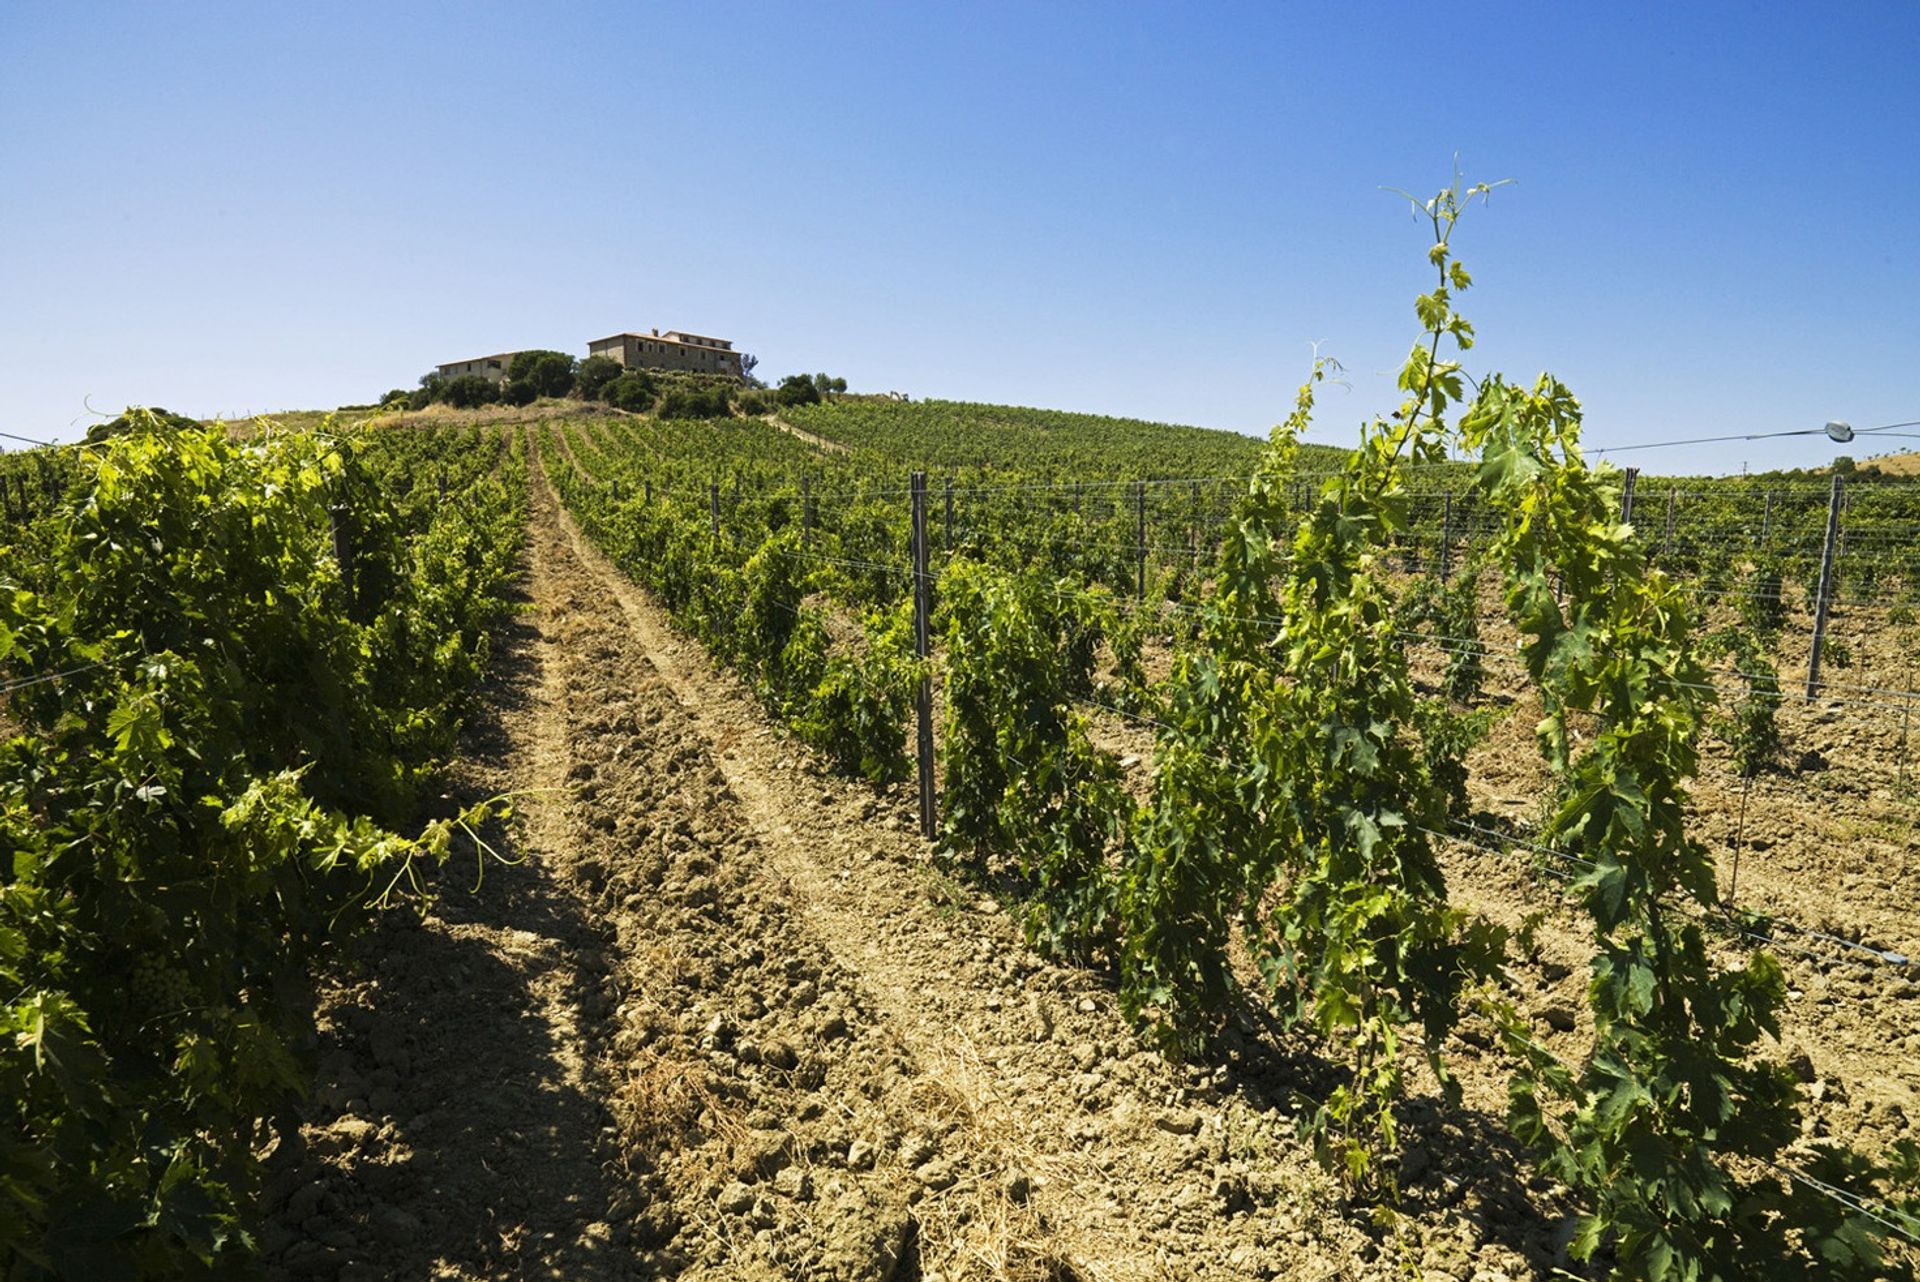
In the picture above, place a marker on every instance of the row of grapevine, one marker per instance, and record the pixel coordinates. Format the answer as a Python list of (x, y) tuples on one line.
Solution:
[(1296, 793), (232, 668), (983, 442), (749, 603), (1706, 529), (1132, 523), (31, 482), (1300, 783)]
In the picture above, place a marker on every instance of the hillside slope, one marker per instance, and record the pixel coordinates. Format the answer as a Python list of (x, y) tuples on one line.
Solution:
[(956, 434), (1907, 464)]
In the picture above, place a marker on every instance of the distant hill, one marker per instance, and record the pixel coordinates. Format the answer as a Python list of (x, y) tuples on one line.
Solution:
[(1907, 464), (944, 434)]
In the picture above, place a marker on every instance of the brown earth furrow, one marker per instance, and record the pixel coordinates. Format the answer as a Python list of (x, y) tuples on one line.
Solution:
[(1138, 1168), (458, 1128), (723, 1016)]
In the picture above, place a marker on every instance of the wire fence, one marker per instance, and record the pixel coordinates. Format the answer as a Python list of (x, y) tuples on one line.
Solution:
[(1746, 922), (1118, 546), (1821, 947)]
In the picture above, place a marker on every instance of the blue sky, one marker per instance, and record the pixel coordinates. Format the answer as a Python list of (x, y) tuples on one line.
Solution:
[(1141, 210)]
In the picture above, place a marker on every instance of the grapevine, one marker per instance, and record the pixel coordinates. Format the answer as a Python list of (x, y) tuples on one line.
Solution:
[(206, 799)]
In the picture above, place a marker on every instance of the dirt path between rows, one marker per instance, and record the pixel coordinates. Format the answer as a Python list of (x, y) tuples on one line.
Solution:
[(722, 1017), (1124, 1166), (814, 439), (459, 1123)]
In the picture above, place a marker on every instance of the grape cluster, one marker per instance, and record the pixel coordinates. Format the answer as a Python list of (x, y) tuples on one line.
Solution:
[(158, 988)]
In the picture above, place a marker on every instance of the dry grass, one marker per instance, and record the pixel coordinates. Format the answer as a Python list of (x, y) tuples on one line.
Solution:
[(977, 1228), (1894, 465), (658, 1100)]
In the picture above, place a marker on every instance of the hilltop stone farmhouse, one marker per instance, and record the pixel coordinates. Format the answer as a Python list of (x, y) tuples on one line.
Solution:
[(493, 368), (671, 350), (674, 349)]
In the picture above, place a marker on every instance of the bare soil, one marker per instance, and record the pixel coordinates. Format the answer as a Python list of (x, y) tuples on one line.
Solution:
[(726, 1017)]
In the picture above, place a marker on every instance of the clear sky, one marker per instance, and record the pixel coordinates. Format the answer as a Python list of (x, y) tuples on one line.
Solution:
[(1141, 210)]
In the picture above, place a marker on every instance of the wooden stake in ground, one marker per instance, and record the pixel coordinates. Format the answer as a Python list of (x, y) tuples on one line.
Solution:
[(1140, 539), (1821, 597), (923, 697)]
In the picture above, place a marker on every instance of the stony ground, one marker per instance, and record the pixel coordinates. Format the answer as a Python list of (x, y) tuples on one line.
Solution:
[(725, 1016), (1824, 840)]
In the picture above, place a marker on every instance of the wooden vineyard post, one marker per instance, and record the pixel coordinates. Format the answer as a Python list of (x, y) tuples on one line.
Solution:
[(1825, 592), (1140, 540), (946, 526), (806, 510), (337, 534), (1446, 536), (1740, 829), (1076, 498), (1766, 520), (649, 493), (922, 621), (713, 503), (1626, 497), (1193, 527), (1666, 544)]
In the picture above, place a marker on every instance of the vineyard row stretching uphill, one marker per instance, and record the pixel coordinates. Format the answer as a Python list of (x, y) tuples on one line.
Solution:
[(1286, 850), (726, 1021)]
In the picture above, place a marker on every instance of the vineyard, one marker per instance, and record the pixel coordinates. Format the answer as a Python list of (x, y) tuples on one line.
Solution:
[(1253, 734), (1042, 846)]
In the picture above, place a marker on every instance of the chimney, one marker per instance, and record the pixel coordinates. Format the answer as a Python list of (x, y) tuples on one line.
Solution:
[(656, 332)]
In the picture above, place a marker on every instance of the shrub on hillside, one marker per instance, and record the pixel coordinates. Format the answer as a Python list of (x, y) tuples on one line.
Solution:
[(690, 402), (633, 390), (754, 403), (469, 391), (797, 389), (537, 373), (593, 376), (140, 419)]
